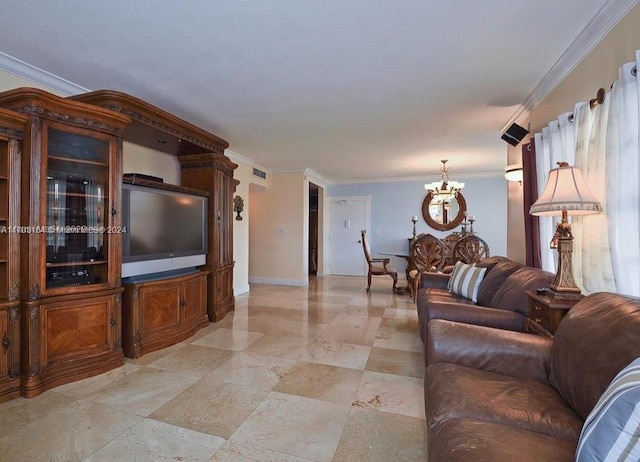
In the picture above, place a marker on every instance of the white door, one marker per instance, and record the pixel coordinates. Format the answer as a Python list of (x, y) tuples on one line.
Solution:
[(348, 216)]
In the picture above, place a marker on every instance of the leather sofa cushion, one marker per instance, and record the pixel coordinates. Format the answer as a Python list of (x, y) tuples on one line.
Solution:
[(453, 392), (432, 296), (596, 339), (462, 440), (495, 276), (511, 296)]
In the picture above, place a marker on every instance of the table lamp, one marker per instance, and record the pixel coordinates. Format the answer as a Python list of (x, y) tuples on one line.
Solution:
[(566, 193)]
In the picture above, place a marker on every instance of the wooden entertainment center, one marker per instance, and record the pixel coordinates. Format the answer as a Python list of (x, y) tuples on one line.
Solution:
[(61, 288)]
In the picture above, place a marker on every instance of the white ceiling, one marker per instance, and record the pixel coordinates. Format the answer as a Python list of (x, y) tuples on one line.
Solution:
[(351, 89)]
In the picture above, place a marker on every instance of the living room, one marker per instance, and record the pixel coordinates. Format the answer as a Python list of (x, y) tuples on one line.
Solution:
[(270, 243)]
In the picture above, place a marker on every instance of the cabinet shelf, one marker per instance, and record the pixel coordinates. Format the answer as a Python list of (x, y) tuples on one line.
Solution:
[(77, 161), (76, 263), (82, 195)]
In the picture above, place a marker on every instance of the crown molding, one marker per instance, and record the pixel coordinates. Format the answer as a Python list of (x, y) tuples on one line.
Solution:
[(606, 19), (237, 158), (41, 77)]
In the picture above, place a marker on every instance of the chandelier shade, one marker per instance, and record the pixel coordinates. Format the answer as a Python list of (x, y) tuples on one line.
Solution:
[(444, 187)]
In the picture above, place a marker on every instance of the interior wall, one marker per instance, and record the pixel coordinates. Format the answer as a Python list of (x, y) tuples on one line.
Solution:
[(278, 238), (140, 159), (10, 81), (244, 174), (515, 211), (394, 203), (598, 69)]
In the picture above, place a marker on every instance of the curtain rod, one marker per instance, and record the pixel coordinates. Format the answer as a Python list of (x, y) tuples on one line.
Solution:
[(599, 99)]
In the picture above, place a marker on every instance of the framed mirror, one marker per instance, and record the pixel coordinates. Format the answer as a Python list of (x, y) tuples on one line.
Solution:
[(444, 212)]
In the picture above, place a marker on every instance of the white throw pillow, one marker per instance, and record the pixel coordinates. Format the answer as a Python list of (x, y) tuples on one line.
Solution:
[(465, 280), (610, 431)]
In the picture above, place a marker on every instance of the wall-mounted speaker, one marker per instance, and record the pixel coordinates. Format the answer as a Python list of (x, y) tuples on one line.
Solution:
[(514, 134)]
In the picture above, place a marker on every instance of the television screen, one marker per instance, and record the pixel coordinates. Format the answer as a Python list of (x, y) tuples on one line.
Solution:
[(162, 224)]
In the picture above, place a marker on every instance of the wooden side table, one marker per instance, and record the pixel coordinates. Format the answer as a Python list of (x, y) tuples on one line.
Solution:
[(547, 312)]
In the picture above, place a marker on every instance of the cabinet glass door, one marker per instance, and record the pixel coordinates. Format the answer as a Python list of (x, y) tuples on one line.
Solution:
[(77, 209)]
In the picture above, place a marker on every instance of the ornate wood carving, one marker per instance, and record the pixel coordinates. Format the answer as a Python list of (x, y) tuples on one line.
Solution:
[(150, 122), (32, 337), (34, 292), (14, 292)]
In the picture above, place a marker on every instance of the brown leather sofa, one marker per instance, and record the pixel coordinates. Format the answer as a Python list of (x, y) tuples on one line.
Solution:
[(497, 395), (502, 302)]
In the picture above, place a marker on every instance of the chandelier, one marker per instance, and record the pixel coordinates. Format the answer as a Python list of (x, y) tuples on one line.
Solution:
[(444, 189)]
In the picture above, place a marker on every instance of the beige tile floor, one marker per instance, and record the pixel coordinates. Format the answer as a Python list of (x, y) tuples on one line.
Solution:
[(319, 373)]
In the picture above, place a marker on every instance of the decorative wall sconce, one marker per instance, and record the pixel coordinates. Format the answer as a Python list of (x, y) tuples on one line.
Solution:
[(513, 172), (238, 206)]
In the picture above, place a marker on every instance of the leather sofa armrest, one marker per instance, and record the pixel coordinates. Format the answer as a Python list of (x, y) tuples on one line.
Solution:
[(516, 354), (434, 280)]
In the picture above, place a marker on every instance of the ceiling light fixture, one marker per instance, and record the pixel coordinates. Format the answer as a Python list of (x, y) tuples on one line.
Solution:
[(444, 188), (513, 172)]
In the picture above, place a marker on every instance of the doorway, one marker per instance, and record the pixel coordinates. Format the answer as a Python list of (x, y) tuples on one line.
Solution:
[(348, 216), (314, 191)]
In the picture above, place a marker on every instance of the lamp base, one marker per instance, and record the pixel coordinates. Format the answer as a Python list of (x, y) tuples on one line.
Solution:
[(563, 294), (563, 286)]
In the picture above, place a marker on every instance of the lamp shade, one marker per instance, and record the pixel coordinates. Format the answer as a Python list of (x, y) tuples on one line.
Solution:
[(565, 190)]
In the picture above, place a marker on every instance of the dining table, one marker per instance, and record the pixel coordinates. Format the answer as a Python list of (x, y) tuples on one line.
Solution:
[(402, 290)]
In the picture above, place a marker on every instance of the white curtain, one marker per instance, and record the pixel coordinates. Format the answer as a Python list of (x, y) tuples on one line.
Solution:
[(556, 143), (623, 174), (596, 270), (606, 148)]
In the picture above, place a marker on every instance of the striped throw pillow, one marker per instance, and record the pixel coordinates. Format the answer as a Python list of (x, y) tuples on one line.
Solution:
[(612, 429), (465, 280)]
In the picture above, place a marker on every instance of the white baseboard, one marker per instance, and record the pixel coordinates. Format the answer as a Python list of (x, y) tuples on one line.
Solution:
[(279, 282), (241, 290)]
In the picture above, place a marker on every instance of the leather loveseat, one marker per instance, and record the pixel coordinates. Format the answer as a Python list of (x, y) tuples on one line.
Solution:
[(497, 395), (501, 301)]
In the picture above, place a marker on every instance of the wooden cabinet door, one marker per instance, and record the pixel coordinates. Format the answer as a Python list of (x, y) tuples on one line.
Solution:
[(194, 299), (160, 307), (77, 329)]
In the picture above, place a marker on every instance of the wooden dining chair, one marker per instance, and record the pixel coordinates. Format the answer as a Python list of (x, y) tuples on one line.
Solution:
[(428, 255), (471, 249), (449, 242), (377, 266)]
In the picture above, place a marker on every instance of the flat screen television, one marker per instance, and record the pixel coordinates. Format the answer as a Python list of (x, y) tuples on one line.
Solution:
[(166, 230)]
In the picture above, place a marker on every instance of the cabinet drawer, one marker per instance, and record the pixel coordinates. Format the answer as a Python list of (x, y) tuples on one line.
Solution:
[(541, 315)]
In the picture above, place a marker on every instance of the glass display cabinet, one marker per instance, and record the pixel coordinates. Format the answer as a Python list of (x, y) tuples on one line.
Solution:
[(77, 208), (70, 248)]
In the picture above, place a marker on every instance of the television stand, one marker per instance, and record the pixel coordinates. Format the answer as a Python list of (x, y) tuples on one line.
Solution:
[(160, 312)]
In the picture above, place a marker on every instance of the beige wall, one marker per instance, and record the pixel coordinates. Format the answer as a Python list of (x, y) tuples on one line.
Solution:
[(279, 229), (139, 159), (10, 81), (244, 174), (515, 216), (598, 69)]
